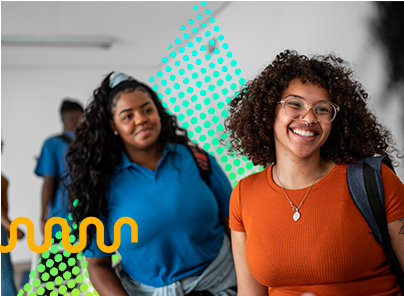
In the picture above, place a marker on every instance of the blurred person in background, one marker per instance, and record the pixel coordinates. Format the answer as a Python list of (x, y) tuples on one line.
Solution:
[(7, 272), (52, 165)]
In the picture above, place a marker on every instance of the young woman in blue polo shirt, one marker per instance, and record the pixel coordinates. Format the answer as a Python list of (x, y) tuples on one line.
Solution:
[(130, 159)]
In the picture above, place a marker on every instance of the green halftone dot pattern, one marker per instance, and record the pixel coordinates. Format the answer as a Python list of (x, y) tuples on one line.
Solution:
[(210, 77)]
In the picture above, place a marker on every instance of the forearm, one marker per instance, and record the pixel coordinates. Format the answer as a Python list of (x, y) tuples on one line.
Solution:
[(105, 280)]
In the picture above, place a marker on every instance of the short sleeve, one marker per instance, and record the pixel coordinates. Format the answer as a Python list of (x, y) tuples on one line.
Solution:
[(47, 162), (235, 218), (393, 195), (94, 250), (220, 186)]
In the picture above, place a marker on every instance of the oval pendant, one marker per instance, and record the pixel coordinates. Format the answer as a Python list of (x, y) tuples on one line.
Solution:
[(296, 216)]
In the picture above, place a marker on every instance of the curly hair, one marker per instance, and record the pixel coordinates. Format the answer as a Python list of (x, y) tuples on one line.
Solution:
[(95, 151), (354, 134)]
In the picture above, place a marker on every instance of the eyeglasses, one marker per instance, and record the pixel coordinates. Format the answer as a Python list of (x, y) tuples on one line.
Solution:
[(297, 108)]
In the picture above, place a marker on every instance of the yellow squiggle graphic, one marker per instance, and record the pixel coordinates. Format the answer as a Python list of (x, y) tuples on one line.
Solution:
[(65, 234)]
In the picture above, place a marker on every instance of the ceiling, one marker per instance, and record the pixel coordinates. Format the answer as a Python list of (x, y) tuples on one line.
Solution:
[(142, 31)]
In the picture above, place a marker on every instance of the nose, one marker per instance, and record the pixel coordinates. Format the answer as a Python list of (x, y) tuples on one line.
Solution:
[(309, 117), (140, 118)]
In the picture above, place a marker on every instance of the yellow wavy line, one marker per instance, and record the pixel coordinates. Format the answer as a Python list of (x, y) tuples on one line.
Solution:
[(65, 234)]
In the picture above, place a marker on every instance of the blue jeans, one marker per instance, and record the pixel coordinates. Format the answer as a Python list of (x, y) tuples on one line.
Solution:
[(7, 280)]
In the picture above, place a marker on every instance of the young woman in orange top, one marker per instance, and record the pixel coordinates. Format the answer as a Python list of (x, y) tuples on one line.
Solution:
[(295, 227)]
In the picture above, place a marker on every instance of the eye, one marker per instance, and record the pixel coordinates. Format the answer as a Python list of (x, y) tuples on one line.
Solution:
[(323, 109), (127, 117), (296, 104), (148, 110)]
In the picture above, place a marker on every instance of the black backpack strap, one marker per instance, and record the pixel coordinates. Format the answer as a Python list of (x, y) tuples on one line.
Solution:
[(369, 169), (202, 161), (66, 138)]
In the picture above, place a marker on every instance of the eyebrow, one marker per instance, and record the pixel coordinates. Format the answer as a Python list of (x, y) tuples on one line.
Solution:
[(130, 109), (300, 97)]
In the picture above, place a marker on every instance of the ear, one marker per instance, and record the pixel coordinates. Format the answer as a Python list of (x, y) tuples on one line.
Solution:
[(112, 125)]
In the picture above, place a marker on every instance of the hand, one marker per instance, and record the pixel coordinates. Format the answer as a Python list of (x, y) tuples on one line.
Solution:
[(20, 234)]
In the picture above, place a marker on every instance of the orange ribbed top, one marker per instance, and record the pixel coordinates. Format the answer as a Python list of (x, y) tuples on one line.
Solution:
[(329, 251)]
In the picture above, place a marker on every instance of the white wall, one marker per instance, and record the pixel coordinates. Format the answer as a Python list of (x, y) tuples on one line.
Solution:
[(35, 80)]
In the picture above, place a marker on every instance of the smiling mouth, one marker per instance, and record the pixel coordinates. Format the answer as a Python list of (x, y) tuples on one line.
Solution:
[(142, 131), (304, 133)]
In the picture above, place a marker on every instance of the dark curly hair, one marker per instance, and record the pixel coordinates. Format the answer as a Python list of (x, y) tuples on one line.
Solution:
[(354, 133), (95, 151)]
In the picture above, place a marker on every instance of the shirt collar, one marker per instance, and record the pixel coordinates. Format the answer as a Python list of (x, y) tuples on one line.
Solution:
[(126, 162)]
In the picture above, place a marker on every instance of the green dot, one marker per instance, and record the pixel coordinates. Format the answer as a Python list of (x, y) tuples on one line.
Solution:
[(198, 61), (159, 73), (62, 289), (211, 87), (203, 48), (185, 103), (76, 202), (83, 287), (181, 71), (54, 271), (234, 183), (76, 270), (232, 176), (71, 284), (220, 82), (40, 291), (203, 92), (59, 235), (198, 84), (181, 117), (84, 264), (215, 119), (181, 95), (62, 266), (207, 124), (67, 275), (27, 287), (194, 120), (185, 58), (49, 263), (219, 150), (164, 104), (45, 277), (227, 167), (32, 274), (177, 109), (198, 107), (211, 110), (190, 67), (190, 90), (58, 280), (223, 136), (211, 133), (224, 158), (241, 171), (202, 138), (203, 115), (72, 238), (45, 255), (211, 65), (75, 292), (203, 70), (190, 134), (224, 69), (36, 282), (261, 169), (50, 285), (198, 129), (41, 268), (198, 39), (194, 75), (206, 146), (224, 113), (74, 225), (185, 125), (236, 162), (219, 127), (249, 166), (80, 278), (237, 72), (216, 74), (172, 77), (190, 112), (208, 57), (30, 294)]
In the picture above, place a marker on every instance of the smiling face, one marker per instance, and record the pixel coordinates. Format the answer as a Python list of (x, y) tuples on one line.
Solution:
[(136, 120), (301, 138)]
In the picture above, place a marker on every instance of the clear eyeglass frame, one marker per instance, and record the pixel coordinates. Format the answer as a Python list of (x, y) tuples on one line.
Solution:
[(308, 107)]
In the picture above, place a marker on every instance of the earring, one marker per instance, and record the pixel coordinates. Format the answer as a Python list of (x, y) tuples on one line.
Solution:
[(115, 133)]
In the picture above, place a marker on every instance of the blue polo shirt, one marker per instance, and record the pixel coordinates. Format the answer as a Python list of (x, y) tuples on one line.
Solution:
[(178, 217), (52, 163)]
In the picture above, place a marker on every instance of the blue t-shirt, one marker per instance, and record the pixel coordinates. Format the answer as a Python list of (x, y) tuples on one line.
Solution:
[(52, 163), (177, 213)]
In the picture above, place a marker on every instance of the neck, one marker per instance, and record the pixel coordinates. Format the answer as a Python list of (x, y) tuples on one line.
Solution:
[(297, 173), (148, 158)]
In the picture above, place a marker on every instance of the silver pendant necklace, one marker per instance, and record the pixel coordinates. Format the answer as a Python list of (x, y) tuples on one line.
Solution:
[(296, 215)]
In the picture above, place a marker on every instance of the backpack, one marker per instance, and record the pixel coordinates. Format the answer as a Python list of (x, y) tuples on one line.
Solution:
[(366, 187)]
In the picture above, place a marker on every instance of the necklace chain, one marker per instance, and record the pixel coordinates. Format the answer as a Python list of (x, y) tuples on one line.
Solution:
[(296, 216)]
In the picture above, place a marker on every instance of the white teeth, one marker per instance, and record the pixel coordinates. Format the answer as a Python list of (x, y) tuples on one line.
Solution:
[(303, 133)]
